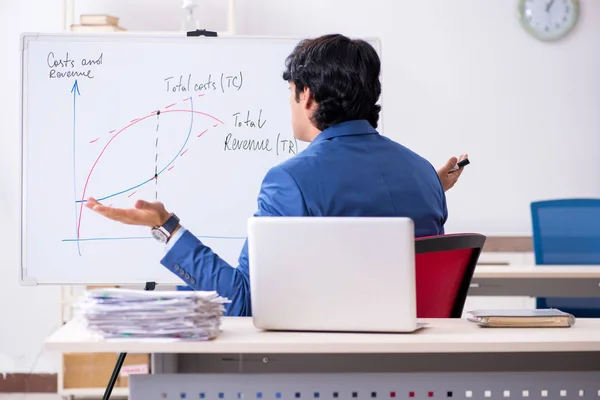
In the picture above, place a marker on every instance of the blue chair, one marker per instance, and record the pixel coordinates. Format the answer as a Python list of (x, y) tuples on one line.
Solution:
[(567, 231)]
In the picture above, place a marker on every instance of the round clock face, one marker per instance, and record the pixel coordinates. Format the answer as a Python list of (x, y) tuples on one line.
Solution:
[(548, 19)]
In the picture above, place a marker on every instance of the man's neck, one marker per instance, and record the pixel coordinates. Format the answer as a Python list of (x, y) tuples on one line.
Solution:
[(312, 134)]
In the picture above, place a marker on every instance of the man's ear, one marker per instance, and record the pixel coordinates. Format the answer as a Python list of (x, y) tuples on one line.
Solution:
[(308, 99)]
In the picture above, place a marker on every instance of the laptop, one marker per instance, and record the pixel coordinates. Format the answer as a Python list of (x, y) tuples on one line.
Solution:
[(336, 274)]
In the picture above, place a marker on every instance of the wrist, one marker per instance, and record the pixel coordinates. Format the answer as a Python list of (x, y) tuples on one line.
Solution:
[(167, 229), (163, 218)]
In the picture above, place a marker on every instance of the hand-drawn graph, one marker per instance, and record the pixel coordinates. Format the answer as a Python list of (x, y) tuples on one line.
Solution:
[(199, 124)]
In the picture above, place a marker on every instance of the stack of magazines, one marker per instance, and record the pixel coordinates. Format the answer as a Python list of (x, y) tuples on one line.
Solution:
[(125, 313)]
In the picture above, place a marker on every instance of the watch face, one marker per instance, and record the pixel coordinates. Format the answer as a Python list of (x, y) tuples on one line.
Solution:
[(548, 19), (159, 235)]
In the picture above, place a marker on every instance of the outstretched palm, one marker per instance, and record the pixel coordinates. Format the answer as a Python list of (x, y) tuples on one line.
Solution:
[(144, 213)]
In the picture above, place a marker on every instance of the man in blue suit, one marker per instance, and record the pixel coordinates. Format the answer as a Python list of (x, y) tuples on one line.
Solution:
[(348, 169)]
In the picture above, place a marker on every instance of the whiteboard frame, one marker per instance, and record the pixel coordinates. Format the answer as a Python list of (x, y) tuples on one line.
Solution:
[(25, 38)]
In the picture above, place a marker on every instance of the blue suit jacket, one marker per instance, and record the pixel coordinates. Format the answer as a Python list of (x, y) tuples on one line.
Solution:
[(348, 170)]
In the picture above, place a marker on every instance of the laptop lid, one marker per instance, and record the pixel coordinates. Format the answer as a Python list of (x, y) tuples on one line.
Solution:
[(332, 273)]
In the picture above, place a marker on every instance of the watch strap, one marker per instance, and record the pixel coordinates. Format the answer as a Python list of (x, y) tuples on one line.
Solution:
[(170, 225)]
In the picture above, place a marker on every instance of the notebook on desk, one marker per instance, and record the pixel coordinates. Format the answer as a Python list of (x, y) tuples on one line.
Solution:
[(536, 318)]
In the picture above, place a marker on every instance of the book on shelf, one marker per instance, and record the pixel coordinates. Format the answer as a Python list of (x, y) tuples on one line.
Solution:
[(98, 19), (97, 23)]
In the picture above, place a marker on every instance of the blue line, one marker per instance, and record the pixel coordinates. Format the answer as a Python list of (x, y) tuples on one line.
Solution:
[(75, 91), (145, 237), (107, 238), (118, 193), (162, 170)]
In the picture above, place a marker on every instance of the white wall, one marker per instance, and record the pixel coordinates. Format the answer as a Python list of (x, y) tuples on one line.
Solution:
[(493, 91), (156, 15), (460, 76), (27, 315)]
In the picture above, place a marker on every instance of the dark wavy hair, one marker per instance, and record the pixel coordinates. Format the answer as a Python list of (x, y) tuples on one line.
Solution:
[(342, 75)]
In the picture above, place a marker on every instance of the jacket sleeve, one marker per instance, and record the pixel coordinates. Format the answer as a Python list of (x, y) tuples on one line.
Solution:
[(202, 269)]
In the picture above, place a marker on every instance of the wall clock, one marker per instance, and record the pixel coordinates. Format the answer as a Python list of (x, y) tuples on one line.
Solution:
[(548, 19)]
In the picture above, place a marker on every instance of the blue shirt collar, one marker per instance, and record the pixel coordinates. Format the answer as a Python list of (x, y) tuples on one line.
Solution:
[(346, 128)]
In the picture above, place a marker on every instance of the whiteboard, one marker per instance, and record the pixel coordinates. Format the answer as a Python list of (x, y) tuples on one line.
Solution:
[(193, 122)]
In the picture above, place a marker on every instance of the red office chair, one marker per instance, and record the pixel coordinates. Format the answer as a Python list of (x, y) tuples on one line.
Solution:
[(444, 269)]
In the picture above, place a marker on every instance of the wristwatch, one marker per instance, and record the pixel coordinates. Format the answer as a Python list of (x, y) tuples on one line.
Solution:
[(163, 233)]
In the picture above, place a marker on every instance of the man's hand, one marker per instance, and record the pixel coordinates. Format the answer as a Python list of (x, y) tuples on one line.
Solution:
[(447, 175), (143, 213)]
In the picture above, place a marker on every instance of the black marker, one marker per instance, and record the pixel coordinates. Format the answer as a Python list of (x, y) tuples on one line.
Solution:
[(460, 164)]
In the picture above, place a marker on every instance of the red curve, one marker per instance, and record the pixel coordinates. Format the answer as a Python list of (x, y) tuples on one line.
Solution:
[(108, 143)]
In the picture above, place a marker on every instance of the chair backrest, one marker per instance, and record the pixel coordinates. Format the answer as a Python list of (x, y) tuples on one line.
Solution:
[(566, 231), (444, 269)]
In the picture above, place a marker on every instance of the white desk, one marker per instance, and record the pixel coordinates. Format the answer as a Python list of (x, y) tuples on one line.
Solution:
[(536, 281), (438, 359), (439, 336)]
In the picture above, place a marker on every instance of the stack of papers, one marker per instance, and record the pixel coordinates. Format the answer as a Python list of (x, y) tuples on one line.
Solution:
[(125, 313)]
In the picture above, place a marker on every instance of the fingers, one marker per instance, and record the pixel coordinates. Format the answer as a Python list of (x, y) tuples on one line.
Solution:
[(459, 171), (142, 205), (115, 214), (126, 216), (144, 213), (449, 173), (456, 173), (91, 203), (447, 168), (154, 206), (453, 161), (94, 205)]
